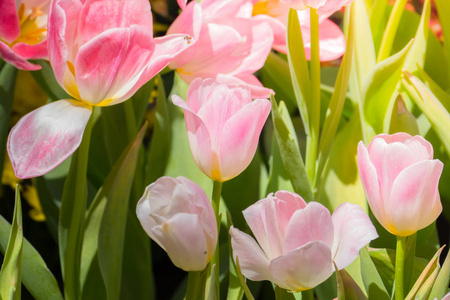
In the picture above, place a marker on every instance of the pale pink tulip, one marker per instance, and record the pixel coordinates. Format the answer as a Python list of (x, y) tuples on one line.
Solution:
[(23, 32), (400, 178), (331, 38), (299, 242), (223, 125), (322, 6), (102, 52), (178, 216), (231, 44), (446, 297)]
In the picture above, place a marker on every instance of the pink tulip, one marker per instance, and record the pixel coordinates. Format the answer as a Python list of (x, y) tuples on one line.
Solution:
[(102, 52), (400, 178), (231, 45), (322, 6), (223, 125), (178, 216), (299, 242), (331, 38), (23, 32)]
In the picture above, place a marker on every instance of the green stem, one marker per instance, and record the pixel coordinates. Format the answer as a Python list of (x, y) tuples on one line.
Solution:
[(391, 30), (196, 285), (217, 190), (282, 294), (311, 150), (400, 268), (308, 294)]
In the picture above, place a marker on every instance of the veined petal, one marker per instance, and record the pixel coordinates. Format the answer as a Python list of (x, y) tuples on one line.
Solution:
[(36, 51), (253, 262), (352, 231), (9, 21), (44, 138), (253, 83), (8, 55)]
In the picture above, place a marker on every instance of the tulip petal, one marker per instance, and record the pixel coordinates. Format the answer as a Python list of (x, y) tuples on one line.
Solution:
[(36, 51), (252, 261), (44, 138), (8, 55), (250, 80), (313, 223), (278, 29), (414, 200), (9, 26), (183, 239), (198, 135), (332, 42), (352, 231), (240, 137), (182, 3), (303, 268)]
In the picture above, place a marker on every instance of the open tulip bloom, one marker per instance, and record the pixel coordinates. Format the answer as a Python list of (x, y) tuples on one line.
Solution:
[(322, 6), (299, 242), (101, 52), (23, 32)]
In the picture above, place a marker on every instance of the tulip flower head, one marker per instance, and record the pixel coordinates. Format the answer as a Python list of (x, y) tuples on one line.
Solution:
[(178, 216), (322, 6), (23, 32), (400, 178), (299, 242), (223, 125), (101, 52), (331, 38), (231, 44)]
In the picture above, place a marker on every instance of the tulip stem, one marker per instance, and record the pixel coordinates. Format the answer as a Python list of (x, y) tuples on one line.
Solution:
[(311, 153), (217, 191), (196, 285), (391, 30), (282, 294), (400, 268)]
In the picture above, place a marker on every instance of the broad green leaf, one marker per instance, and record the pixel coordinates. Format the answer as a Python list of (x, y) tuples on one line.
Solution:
[(379, 88), (410, 257), (348, 289), (7, 82), (141, 98), (116, 189), (47, 81), (372, 280), (402, 120), (299, 68), (441, 284), (416, 55), (430, 106), (443, 9), (337, 101), (430, 271), (292, 160), (36, 277), (11, 272), (378, 20)]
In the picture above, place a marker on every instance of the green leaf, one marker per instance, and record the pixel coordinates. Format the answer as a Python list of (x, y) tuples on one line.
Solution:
[(379, 89), (372, 280), (443, 9), (402, 120), (116, 189), (292, 160), (299, 68), (440, 94), (235, 288), (247, 292), (347, 288), (36, 277), (378, 20), (48, 83), (430, 106), (11, 272), (441, 284)]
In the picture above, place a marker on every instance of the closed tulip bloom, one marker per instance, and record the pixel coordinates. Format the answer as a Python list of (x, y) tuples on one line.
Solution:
[(223, 125), (322, 6), (299, 242), (102, 52), (178, 216), (400, 178), (23, 32)]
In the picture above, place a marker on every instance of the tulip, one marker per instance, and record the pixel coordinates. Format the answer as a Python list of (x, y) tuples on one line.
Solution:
[(23, 32), (231, 44), (299, 242), (275, 13), (400, 178), (323, 6), (223, 125), (101, 52), (178, 216)]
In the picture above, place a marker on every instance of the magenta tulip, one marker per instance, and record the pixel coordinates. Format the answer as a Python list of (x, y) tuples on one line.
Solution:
[(102, 52), (400, 178), (178, 216), (223, 125), (299, 242), (275, 13), (231, 44), (23, 32), (322, 6)]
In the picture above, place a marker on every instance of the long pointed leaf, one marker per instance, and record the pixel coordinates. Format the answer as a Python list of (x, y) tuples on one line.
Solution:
[(372, 280), (441, 284)]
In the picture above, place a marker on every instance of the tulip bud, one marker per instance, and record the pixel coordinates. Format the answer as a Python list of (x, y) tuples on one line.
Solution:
[(178, 216), (400, 178)]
